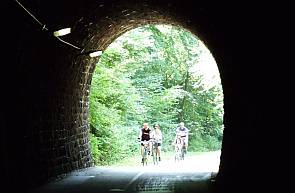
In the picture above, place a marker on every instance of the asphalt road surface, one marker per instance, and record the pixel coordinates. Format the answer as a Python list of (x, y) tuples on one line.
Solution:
[(194, 174)]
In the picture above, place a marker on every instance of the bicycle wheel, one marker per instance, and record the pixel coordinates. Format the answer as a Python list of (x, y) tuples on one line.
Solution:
[(155, 154), (177, 155), (176, 158), (182, 153), (155, 157), (144, 159)]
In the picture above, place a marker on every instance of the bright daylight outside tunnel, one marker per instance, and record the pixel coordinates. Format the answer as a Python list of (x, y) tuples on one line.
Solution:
[(156, 74)]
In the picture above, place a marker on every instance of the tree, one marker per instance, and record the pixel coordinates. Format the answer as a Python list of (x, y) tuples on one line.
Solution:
[(149, 75)]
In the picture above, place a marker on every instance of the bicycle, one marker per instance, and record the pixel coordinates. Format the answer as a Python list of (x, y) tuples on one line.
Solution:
[(145, 152), (179, 150), (155, 152)]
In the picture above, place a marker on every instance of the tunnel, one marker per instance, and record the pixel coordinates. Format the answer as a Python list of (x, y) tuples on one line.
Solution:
[(44, 117)]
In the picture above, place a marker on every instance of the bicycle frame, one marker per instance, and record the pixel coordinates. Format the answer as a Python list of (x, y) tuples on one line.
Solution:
[(145, 152), (154, 151), (179, 150)]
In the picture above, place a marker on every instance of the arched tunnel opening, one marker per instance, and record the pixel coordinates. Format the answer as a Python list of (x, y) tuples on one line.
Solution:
[(155, 74), (51, 131)]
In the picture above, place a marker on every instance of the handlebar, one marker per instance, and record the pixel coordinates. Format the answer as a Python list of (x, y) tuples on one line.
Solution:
[(143, 142), (151, 140)]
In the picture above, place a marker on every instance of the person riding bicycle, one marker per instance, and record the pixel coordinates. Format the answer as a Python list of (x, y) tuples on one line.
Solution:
[(144, 135), (183, 132), (156, 135)]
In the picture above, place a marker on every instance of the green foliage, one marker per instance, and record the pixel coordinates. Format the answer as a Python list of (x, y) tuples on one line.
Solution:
[(94, 148), (149, 75), (201, 143)]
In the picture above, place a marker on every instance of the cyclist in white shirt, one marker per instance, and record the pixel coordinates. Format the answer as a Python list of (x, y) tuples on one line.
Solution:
[(183, 132)]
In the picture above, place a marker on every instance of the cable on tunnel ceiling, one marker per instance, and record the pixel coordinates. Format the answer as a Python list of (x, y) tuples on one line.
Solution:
[(62, 32)]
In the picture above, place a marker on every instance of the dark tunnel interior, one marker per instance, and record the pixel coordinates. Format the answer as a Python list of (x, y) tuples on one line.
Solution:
[(44, 111)]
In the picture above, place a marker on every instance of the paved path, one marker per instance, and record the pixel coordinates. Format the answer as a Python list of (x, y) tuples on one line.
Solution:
[(190, 175)]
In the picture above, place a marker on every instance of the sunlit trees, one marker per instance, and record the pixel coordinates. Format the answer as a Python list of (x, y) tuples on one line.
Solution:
[(150, 74)]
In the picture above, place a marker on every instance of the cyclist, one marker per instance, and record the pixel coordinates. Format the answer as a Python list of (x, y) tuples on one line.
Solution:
[(144, 135), (183, 132), (156, 134)]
